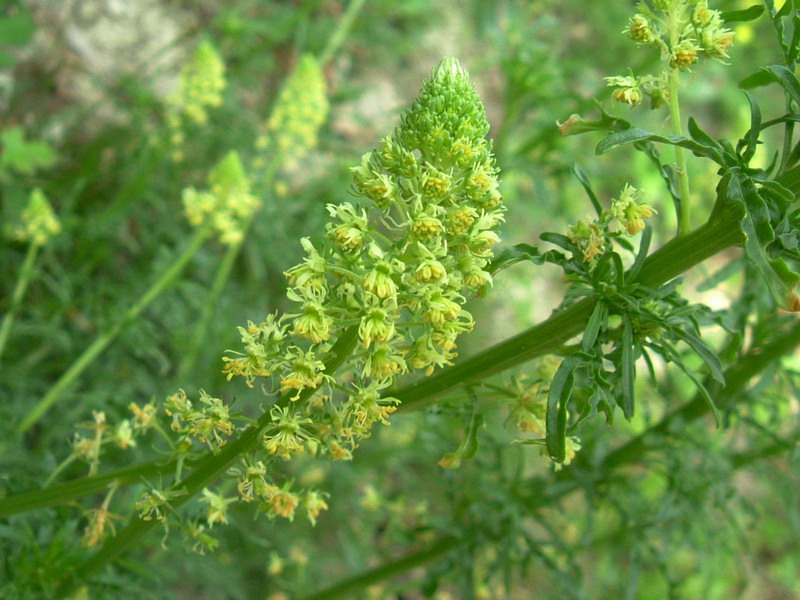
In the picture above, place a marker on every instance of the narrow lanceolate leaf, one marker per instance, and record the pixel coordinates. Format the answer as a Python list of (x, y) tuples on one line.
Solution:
[(634, 134), (556, 418), (786, 78), (746, 14), (751, 138), (583, 178), (704, 352), (628, 367), (596, 321)]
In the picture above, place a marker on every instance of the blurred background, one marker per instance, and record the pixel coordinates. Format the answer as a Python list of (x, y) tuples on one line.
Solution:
[(83, 87)]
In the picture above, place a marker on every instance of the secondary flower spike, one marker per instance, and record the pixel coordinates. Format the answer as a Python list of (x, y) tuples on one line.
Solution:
[(398, 265)]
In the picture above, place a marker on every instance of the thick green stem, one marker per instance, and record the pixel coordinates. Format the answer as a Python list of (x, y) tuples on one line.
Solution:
[(670, 260), (24, 278), (684, 216), (103, 341), (63, 493), (207, 470)]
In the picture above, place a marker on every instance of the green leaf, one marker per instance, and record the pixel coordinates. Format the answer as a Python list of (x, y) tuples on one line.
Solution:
[(705, 353), (751, 137), (583, 178), (703, 391), (634, 134), (23, 156), (757, 79), (746, 14), (17, 29), (576, 124), (786, 79), (755, 226), (556, 417), (641, 256), (596, 321), (628, 368), (700, 136)]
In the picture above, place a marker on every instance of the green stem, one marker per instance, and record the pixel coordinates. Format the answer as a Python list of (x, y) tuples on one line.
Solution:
[(387, 570), (24, 278), (670, 260), (684, 216), (103, 341), (206, 471), (341, 31), (64, 493)]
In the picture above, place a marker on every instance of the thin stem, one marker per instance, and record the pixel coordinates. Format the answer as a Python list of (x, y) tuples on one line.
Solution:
[(64, 464), (24, 278), (684, 215), (341, 31), (103, 341), (387, 570)]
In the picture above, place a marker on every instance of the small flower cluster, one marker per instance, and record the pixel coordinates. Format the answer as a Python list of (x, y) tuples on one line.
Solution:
[(227, 205), (200, 87), (39, 222), (626, 212), (398, 269), (300, 110), (123, 435), (210, 423), (683, 30)]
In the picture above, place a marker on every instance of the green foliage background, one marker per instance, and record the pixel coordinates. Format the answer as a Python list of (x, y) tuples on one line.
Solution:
[(700, 514)]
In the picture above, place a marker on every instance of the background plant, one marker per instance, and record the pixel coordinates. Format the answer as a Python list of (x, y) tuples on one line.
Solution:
[(623, 518)]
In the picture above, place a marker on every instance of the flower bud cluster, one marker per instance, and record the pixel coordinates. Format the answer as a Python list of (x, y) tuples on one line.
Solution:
[(398, 266), (300, 110), (683, 30), (227, 205), (200, 88), (39, 222), (628, 216)]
